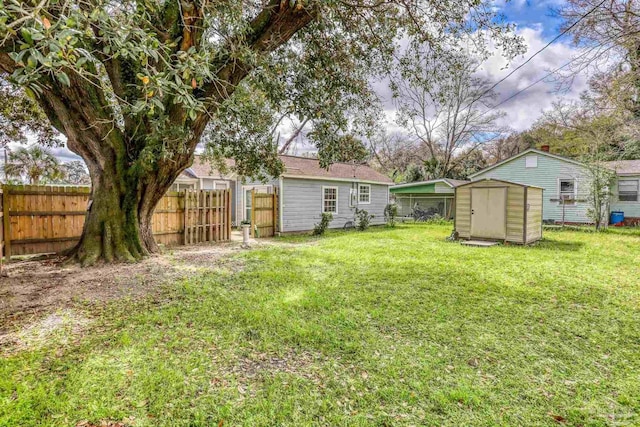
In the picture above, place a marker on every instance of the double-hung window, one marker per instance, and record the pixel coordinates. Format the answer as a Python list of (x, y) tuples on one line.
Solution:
[(364, 194), (628, 190), (567, 189), (330, 199)]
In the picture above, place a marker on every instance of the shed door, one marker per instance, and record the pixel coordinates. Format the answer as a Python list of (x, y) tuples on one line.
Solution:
[(489, 213)]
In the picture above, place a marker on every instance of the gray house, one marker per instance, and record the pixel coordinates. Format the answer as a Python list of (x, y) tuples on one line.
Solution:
[(305, 191), (565, 182)]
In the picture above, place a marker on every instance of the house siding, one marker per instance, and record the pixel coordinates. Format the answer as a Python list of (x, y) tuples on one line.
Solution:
[(630, 209), (302, 203), (546, 175)]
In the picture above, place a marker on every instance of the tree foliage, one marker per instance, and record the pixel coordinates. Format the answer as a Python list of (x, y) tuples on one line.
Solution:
[(134, 85), (33, 165), (444, 106), (75, 173), (20, 116)]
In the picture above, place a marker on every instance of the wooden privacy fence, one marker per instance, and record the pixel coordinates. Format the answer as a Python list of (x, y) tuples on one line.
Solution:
[(47, 219), (207, 216), (264, 214)]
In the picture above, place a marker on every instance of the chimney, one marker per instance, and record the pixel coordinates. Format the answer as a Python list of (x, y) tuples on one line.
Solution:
[(545, 148)]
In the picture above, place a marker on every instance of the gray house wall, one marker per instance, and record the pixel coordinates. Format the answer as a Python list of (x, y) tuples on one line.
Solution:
[(302, 203), (546, 175), (630, 209)]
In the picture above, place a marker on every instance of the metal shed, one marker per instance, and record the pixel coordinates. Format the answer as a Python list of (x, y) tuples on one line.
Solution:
[(492, 209)]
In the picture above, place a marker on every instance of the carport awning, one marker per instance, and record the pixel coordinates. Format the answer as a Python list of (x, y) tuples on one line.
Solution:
[(418, 189)]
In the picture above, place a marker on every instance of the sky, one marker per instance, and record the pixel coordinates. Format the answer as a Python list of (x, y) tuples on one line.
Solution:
[(537, 25)]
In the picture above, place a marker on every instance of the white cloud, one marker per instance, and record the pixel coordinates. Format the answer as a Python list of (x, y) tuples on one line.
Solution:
[(526, 107)]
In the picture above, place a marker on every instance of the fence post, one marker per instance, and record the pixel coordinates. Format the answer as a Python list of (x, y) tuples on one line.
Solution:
[(253, 212), (185, 216), (6, 223), (274, 211)]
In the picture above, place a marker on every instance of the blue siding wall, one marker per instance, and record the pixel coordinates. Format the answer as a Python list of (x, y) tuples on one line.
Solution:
[(302, 203), (546, 175)]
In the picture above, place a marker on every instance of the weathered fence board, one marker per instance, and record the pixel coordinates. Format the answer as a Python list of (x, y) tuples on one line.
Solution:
[(47, 219)]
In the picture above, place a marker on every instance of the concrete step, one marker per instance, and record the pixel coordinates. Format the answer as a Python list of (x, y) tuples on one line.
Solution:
[(479, 243)]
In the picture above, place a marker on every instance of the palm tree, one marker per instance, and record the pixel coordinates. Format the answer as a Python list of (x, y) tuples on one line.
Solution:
[(33, 163)]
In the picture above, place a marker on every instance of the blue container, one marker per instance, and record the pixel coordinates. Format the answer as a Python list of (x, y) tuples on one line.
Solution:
[(617, 218)]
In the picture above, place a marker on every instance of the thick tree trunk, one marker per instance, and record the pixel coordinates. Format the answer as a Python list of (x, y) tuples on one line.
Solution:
[(112, 228), (118, 225)]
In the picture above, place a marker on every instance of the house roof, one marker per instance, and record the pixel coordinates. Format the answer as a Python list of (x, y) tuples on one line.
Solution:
[(309, 168), (295, 167), (528, 151), (625, 167), (425, 186), (201, 168)]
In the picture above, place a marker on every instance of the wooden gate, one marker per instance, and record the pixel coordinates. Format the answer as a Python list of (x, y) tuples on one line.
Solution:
[(264, 214), (207, 216)]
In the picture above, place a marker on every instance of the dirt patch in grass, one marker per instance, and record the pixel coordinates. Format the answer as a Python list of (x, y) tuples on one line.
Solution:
[(34, 289), (64, 325)]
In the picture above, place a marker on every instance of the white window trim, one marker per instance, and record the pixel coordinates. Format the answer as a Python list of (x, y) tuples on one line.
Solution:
[(323, 199), (359, 187), (575, 191), (225, 183), (526, 161), (637, 195)]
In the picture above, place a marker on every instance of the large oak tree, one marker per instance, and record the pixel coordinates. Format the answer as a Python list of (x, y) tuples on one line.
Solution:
[(135, 84)]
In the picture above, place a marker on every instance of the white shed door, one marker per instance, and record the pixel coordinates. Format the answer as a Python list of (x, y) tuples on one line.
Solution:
[(489, 213)]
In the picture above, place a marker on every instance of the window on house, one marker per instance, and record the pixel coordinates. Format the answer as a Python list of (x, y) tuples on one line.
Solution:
[(568, 189), (181, 187), (364, 194), (531, 162), (330, 199), (628, 190)]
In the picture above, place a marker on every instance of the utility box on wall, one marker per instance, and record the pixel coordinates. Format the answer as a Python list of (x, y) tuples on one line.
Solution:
[(492, 209)]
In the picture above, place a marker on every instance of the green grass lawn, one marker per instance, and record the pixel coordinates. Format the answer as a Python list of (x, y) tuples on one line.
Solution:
[(383, 328)]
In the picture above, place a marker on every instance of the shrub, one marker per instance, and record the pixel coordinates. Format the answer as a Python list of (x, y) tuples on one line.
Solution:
[(325, 220), (390, 214), (363, 219)]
